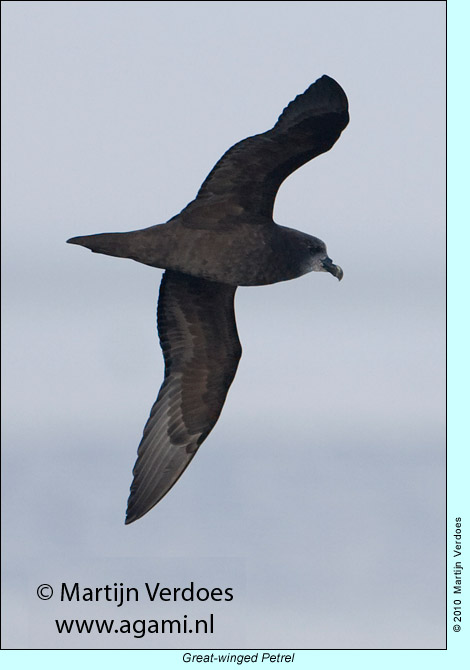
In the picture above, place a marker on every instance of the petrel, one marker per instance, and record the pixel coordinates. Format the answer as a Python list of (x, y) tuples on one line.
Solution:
[(224, 238)]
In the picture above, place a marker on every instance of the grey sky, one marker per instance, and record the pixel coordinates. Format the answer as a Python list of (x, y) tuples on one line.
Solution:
[(319, 496)]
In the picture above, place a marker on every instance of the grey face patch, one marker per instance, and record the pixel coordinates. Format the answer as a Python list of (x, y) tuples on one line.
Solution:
[(320, 262)]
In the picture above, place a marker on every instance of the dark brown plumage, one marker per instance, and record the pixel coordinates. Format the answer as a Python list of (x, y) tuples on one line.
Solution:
[(198, 336), (223, 239)]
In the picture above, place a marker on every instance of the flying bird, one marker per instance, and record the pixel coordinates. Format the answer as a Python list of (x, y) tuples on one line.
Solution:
[(224, 238)]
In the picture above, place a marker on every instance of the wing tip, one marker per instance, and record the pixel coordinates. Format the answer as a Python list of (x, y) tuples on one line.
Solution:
[(135, 512), (325, 95), (334, 87), (327, 89)]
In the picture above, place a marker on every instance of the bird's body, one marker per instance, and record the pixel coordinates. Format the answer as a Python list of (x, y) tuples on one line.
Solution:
[(236, 252), (224, 238)]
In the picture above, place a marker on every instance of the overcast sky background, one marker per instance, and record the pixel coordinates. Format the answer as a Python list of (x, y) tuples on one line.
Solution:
[(319, 496)]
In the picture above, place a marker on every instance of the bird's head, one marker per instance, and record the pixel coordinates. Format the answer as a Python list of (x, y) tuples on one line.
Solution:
[(318, 259)]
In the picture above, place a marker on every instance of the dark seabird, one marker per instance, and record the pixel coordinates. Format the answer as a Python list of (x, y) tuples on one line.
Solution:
[(224, 238)]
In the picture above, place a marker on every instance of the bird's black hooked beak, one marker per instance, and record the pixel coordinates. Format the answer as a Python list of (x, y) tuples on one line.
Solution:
[(333, 269)]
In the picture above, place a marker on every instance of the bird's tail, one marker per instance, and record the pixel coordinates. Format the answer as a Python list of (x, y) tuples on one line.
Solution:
[(111, 244)]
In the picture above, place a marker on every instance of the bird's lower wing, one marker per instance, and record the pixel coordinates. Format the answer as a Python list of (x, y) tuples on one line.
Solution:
[(198, 336)]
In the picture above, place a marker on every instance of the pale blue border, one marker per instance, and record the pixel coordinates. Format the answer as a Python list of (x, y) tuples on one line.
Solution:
[(458, 360), (459, 409), (172, 660)]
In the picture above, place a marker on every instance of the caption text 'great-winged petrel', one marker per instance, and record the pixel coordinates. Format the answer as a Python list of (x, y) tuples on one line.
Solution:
[(224, 238)]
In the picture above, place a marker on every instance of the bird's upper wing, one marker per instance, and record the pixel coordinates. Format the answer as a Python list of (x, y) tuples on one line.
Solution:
[(198, 336), (251, 172)]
